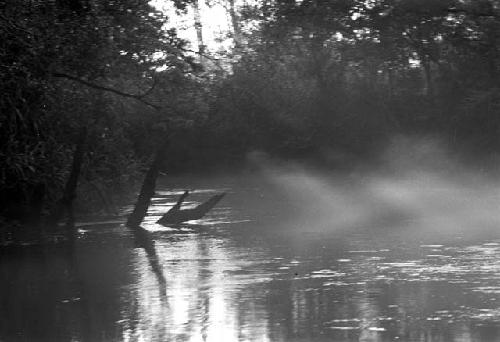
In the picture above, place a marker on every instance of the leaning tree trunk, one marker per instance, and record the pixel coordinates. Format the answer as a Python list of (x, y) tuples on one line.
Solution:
[(147, 189), (65, 204), (141, 235)]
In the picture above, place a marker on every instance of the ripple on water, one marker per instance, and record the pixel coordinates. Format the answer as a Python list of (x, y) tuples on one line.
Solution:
[(344, 320), (344, 260), (343, 328), (487, 315), (357, 324), (376, 329), (343, 324), (326, 273), (487, 289), (335, 283), (439, 256), (415, 263), (490, 316)]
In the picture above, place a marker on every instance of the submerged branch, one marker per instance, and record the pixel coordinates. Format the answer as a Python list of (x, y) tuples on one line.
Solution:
[(176, 215)]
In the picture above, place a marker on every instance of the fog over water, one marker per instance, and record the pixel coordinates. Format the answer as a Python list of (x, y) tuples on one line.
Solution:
[(340, 158), (418, 188), (292, 253)]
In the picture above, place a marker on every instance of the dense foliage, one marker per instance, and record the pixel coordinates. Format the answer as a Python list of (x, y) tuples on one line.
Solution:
[(68, 66), (341, 78)]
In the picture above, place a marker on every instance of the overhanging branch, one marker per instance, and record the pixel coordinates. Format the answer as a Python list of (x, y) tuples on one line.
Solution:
[(137, 97)]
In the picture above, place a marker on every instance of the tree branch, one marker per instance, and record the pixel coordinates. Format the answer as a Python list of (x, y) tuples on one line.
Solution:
[(137, 97), (147, 92), (215, 61)]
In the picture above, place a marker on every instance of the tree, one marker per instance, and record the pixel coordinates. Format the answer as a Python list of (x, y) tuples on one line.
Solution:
[(68, 65), (371, 69)]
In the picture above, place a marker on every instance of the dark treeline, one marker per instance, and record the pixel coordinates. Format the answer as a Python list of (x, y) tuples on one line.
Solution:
[(343, 77), (331, 81), (73, 68)]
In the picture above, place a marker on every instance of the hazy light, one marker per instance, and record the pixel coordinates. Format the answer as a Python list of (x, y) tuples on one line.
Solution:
[(214, 19)]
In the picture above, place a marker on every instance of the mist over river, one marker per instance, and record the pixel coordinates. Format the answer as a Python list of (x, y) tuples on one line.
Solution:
[(322, 171), (288, 255)]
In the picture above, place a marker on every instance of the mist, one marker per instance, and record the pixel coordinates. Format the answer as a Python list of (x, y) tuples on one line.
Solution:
[(417, 188)]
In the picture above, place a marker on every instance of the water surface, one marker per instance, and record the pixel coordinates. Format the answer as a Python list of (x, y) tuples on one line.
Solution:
[(279, 259)]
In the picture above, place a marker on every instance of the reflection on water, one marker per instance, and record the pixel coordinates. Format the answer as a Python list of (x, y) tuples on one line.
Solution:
[(242, 274)]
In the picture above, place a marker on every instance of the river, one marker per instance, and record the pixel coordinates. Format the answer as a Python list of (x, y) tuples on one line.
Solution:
[(291, 256)]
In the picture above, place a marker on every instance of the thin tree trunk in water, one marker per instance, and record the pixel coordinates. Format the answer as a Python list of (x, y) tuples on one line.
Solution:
[(428, 78), (147, 189), (325, 103), (371, 70), (390, 78), (65, 205)]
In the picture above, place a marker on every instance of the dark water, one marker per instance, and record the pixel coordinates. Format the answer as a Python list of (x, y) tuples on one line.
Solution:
[(280, 259)]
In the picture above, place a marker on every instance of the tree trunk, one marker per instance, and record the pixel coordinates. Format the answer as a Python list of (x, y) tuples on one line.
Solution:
[(390, 79), (141, 235), (199, 28), (235, 24), (428, 77), (65, 204), (147, 189)]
